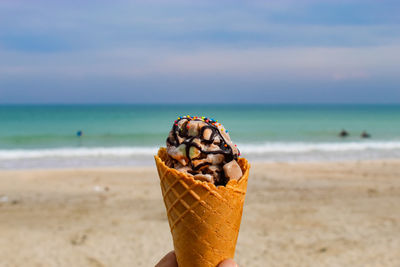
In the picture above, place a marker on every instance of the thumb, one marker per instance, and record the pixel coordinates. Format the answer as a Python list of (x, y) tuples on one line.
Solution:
[(169, 260), (228, 263)]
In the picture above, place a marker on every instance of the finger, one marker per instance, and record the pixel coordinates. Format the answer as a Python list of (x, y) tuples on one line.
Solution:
[(169, 260), (228, 263)]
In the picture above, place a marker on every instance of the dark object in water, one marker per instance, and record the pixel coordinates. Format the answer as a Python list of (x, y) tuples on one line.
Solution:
[(364, 134), (79, 133), (343, 133)]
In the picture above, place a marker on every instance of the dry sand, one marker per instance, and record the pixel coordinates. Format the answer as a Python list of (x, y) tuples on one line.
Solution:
[(296, 214)]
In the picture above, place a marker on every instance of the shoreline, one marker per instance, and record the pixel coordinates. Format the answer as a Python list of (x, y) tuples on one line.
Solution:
[(295, 214), (151, 165)]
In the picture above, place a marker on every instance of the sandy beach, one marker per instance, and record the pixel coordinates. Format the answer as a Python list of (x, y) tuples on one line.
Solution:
[(296, 214)]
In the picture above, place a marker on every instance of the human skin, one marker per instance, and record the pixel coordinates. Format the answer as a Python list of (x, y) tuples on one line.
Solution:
[(169, 260)]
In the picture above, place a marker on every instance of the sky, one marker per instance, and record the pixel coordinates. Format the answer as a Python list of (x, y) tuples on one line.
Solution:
[(181, 51)]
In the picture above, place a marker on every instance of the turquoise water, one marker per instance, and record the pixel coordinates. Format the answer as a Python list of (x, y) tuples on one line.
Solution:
[(147, 125), (131, 131)]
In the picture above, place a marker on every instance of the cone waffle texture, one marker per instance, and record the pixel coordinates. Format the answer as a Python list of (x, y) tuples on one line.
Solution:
[(204, 219)]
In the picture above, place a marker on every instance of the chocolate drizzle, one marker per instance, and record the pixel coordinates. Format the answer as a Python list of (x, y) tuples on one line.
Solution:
[(176, 130), (180, 135)]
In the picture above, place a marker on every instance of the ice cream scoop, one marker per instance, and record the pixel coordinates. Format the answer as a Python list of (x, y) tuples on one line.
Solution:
[(202, 148), (203, 182)]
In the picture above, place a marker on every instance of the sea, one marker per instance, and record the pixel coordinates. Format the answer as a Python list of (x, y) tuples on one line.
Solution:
[(65, 136)]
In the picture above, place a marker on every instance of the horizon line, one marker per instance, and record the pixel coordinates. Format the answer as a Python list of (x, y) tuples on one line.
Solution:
[(196, 104)]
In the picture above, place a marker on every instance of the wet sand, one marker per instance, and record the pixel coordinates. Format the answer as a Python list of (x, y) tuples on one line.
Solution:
[(296, 214)]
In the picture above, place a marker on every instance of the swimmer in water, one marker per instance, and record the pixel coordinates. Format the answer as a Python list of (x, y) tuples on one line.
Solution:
[(364, 134), (343, 133)]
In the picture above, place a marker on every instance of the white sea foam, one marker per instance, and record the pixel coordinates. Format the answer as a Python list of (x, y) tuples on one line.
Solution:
[(301, 147), (77, 152), (246, 149)]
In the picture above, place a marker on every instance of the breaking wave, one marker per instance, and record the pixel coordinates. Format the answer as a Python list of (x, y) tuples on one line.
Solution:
[(246, 149)]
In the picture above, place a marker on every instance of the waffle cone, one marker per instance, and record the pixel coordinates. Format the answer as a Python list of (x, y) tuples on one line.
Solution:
[(204, 219)]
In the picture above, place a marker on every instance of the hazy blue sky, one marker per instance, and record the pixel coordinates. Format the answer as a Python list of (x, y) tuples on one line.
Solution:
[(199, 51)]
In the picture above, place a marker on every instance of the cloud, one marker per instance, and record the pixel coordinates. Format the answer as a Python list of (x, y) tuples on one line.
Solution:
[(310, 63), (354, 75), (287, 45), (48, 26)]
